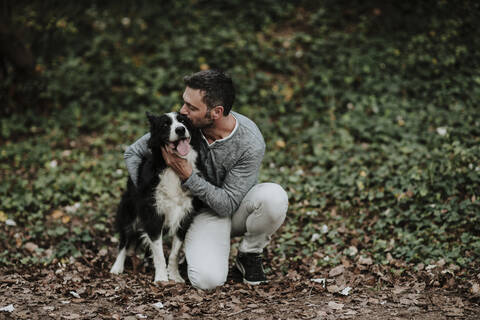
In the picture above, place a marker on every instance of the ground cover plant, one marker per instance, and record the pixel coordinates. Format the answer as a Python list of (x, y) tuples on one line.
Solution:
[(369, 110)]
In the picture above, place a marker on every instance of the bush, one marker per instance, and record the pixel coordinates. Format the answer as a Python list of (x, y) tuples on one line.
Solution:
[(369, 112)]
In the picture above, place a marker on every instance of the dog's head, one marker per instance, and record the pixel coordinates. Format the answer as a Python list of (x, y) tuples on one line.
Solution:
[(172, 130)]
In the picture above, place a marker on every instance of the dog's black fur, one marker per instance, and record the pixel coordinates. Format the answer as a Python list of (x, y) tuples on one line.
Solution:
[(137, 214)]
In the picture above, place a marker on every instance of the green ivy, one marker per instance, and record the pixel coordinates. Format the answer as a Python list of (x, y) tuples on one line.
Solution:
[(370, 114)]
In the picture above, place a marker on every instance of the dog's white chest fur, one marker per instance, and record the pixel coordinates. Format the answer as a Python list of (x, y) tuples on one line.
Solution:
[(171, 199)]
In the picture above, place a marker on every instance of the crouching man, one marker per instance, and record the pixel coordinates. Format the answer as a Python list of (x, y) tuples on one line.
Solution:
[(232, 151)]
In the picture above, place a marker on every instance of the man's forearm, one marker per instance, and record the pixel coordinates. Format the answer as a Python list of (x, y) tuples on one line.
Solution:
[(134, 154), (218, 199)]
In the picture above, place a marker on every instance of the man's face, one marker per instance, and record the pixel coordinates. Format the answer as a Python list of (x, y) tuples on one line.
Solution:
[(195, 109)]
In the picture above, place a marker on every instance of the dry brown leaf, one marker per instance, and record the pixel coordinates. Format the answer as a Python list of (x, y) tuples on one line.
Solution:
[(57, 214), (30, 247), (338, 270), (453, 312), (259, 310), (333, 289), (335, 306), (475, 289), (399, 290), (3, 216), (280, 143), (373, 301), (18, 241), (365, 261), (406, 301)]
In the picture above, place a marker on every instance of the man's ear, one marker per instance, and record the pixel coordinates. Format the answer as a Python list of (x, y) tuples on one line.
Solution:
[(217, 112)]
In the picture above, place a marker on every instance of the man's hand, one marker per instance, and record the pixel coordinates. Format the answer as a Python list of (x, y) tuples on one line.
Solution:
[(181, 166)]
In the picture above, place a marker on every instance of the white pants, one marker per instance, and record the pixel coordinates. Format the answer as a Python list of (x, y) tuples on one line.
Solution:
[(207, 242)]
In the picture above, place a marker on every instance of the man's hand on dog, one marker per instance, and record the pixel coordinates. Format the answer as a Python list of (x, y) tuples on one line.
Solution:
[(181, 166)]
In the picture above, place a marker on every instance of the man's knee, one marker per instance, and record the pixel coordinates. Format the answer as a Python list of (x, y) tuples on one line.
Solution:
[(207, 279), (272, 200)]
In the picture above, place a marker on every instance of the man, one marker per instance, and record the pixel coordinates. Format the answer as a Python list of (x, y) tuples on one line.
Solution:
[(232, 151)]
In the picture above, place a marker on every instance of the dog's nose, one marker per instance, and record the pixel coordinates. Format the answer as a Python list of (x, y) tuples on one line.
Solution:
[(180, 131)]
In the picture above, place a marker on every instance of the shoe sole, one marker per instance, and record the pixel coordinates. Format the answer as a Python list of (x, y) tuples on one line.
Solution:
[(242, 271)]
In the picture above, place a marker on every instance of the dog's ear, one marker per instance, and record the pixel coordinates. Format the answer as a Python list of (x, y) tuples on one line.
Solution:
[(151, 118)]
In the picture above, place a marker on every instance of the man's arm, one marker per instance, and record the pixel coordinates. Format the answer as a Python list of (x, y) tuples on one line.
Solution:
[(134, 154), (226, 199)]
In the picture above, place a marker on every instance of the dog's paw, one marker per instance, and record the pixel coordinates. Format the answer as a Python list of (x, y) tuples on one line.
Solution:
[(116, 269), (161, 278), (176, 277)]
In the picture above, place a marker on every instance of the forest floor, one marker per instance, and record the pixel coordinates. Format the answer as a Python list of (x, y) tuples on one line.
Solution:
[(84, 289)]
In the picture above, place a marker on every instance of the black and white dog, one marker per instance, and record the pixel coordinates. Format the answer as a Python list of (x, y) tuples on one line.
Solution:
[(159, 204)]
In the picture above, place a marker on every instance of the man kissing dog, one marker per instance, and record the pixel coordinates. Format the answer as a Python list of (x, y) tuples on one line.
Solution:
[(231, 151)]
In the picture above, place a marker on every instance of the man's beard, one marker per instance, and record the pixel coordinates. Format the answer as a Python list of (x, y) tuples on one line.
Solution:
[(207, 122)]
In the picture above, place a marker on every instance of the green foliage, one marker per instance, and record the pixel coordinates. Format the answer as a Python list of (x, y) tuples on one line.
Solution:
[(370, 113)]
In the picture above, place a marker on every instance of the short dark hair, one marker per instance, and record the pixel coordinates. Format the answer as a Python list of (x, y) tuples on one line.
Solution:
[(217, 87)]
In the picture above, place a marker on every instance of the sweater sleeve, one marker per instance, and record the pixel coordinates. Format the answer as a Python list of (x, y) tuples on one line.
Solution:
[(134, 154), (225, 200)]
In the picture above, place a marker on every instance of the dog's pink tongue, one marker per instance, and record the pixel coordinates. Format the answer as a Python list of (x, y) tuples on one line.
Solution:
[(183, 147)]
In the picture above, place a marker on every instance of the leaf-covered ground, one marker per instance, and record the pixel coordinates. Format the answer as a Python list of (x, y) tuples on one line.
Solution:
[(371, 119), (85, 290)]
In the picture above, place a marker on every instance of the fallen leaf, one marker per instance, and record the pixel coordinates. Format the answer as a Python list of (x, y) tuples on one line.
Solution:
[(18, 240), (324, 228), (336, 271), (57, 214), (333, 288), (441, 262), (259, 311), (352, 250), (335, 306), (8, 308), (280, 143), (346, 291), (196, 297), (321, 313), (373, 301), (398, 290), (406, 301), (30, 247), (475, 289), (3, 216), (453, 312), (319, 280), (365, 261)]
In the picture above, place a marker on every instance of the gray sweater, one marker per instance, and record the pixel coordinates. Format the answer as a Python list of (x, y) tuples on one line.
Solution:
[(232, 166)]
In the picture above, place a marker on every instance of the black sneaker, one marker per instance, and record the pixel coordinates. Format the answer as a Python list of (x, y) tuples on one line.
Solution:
[(250, 265)]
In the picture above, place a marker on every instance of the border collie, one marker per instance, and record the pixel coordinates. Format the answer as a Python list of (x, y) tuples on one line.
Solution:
[(159, 204)]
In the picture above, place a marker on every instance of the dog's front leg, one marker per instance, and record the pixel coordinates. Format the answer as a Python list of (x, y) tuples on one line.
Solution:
[(173, 273), (159, 260), (117, 267)]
